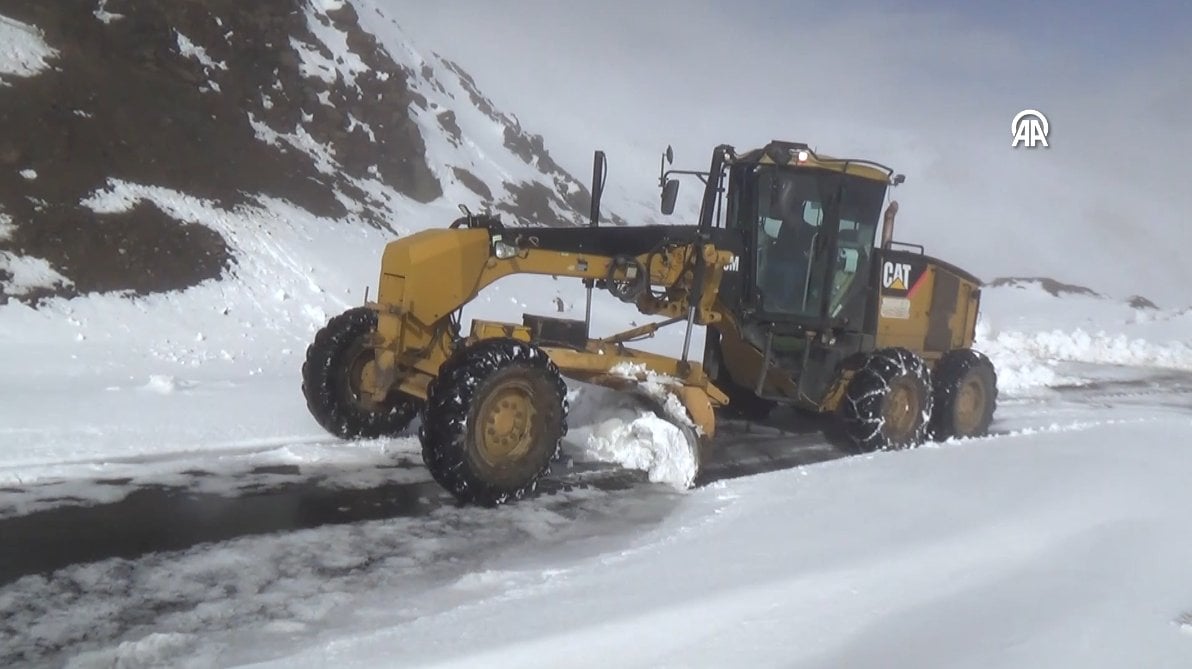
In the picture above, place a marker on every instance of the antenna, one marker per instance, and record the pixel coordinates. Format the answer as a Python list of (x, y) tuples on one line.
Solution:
[(599, 172)]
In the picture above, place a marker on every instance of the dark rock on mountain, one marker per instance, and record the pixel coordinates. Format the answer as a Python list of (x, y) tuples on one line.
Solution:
[(1050, 285)]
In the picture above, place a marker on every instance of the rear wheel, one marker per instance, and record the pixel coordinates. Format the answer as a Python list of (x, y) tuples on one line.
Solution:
[(495, 418), (888, 402), (331, 381), (965, 391)]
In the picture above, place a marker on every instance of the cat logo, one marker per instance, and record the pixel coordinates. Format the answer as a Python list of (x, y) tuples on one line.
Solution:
[(896, 275)]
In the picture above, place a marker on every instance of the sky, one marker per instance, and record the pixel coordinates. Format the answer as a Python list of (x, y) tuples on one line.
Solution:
[(929, 88)]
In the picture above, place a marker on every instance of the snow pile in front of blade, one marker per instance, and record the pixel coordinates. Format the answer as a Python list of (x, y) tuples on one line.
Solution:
[(612, 426), (657, 387), (646, 442)]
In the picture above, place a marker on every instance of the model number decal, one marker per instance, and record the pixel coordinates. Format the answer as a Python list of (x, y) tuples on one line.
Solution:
[(896, 307)]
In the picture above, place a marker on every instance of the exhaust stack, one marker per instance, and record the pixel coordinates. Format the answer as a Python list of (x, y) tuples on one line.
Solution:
[(888, 224)]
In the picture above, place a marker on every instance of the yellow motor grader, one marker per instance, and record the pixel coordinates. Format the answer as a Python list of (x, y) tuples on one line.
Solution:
[(804, 306)]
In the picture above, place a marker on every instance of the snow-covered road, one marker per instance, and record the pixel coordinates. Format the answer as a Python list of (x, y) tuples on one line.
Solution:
[(1059, 541)]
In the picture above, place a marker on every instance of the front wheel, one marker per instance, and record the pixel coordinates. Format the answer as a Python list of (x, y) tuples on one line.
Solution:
[(495, 418), (331, 378), (888, 402)]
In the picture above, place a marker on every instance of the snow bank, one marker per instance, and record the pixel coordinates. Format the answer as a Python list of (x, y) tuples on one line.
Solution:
[(23, 52), (1026, 332), (1099, 347)]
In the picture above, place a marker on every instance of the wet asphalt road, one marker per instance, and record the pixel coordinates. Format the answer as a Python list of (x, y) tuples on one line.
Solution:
[(158, 518), (161, 518)]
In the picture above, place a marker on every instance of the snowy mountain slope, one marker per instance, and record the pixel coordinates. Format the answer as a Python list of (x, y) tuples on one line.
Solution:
[(289, 100)]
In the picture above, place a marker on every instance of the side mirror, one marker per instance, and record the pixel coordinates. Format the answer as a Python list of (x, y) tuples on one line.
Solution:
[(668, 157), (670, 192)]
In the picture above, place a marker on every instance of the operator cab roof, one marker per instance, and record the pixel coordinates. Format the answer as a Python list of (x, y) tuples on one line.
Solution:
[(778, 152)]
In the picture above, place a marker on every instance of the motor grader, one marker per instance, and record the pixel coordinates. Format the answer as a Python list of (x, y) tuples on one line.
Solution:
[(803, 306)]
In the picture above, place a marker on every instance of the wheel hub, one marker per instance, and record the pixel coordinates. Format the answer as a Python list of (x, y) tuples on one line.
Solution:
[(506, 418), (901, 409), (970, 405), (361, 373)]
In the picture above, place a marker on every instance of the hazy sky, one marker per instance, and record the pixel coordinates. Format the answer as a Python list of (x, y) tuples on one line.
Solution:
[(928, 88)]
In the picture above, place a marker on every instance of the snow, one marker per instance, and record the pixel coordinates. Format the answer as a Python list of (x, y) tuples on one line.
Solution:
[(645, 442), (299, 139), (1059, 548), (343, 62), (615, 427), (101, 12), (6, 226), (1025, 331), (1060, 540), (655, 385), (1100, 347), (647, 430), (164, 384), (27, 272), (191, 50), (482, 149), (23, 51)]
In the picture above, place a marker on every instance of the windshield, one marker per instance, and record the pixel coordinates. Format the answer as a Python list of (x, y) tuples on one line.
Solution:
[(792, 236)]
